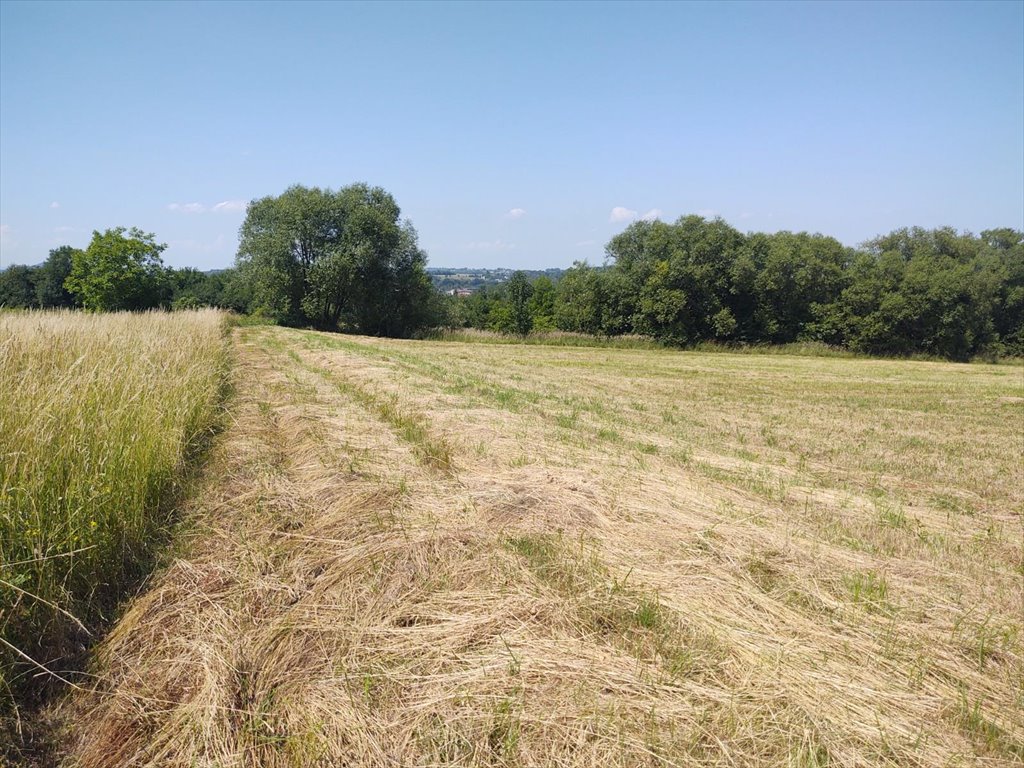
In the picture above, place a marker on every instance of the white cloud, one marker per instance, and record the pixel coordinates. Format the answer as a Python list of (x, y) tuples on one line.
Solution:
[(652, 215), (515, 213), (55, 204), (621, 214), (490, 245), (229, 206), (187, 207), (225, 206), (5, 230)]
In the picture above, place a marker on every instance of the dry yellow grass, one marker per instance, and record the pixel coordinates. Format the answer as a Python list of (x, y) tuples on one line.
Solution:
[(433, 553), (97, 416)]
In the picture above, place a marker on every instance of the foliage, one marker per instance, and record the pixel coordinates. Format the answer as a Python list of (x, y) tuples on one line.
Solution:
[(541, 305), (519, 319), (933, 292), (51, 293), (17, 287), (936, 292), (336, 259), (581, 301), (45, 286), (120, 270), (343, 259)]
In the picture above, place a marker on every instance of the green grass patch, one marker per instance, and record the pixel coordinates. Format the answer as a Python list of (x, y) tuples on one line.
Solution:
[(870, 590), (632, 619), (972, 721), (100, 418)]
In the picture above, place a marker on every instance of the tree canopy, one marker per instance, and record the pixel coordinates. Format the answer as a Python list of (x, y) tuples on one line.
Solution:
[(51, 276), (336, 259), (120, 270), (914, 291)]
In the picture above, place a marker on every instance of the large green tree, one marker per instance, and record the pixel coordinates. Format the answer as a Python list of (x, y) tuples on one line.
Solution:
[(17, 287), (581, 305), (51, 276), (680, 276), (795, 273), (120, 270), (336, 258), (519, 293), (542, 304)]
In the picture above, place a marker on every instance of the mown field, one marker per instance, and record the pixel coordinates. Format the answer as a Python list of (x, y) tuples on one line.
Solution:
[(98, 417), (436, 553)]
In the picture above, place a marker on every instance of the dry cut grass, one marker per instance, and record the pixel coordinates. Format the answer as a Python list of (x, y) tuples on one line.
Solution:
[(97, 416), (439, 553)]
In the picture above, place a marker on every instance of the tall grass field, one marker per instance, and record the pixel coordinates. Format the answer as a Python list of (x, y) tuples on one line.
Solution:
[(98, 415)]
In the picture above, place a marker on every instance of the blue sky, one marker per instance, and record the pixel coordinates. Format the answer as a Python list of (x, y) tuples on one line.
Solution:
[(521, 134)]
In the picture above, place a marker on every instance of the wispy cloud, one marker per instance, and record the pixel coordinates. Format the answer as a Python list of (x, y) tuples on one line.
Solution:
[(187, 207), (490, 245), (228, 206), (55, 204), (621, 214), (225, 206), (515, 213)]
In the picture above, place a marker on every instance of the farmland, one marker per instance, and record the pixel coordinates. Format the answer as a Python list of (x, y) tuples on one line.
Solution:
[(445, 553), (98, 417)]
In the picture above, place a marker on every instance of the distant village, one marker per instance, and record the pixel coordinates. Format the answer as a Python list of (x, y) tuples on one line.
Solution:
[(464, 281)]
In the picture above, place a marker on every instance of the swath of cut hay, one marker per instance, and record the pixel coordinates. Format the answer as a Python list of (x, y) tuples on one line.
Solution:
[(614, 567)]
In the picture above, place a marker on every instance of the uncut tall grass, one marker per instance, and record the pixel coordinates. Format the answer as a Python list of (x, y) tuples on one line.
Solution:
[(98, 415)]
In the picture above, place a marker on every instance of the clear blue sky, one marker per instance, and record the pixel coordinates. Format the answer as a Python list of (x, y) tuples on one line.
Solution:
[(521, 134)]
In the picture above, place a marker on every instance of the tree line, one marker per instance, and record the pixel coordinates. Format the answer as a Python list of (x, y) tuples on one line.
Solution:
[(914, 291), (346, 260), (335, 260), (120, 270)]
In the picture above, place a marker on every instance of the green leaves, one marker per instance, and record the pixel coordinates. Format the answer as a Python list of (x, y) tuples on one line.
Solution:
[(335, 259), (120, 270)]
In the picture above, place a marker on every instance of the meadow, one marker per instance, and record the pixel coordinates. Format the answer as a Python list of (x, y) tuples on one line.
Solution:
[(449, 553), (99, 415)]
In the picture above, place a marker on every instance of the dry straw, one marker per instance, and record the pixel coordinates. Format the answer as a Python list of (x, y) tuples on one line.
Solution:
[(627, 558)]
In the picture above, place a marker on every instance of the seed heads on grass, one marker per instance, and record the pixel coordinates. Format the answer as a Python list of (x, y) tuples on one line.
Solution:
[(100, 417)]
